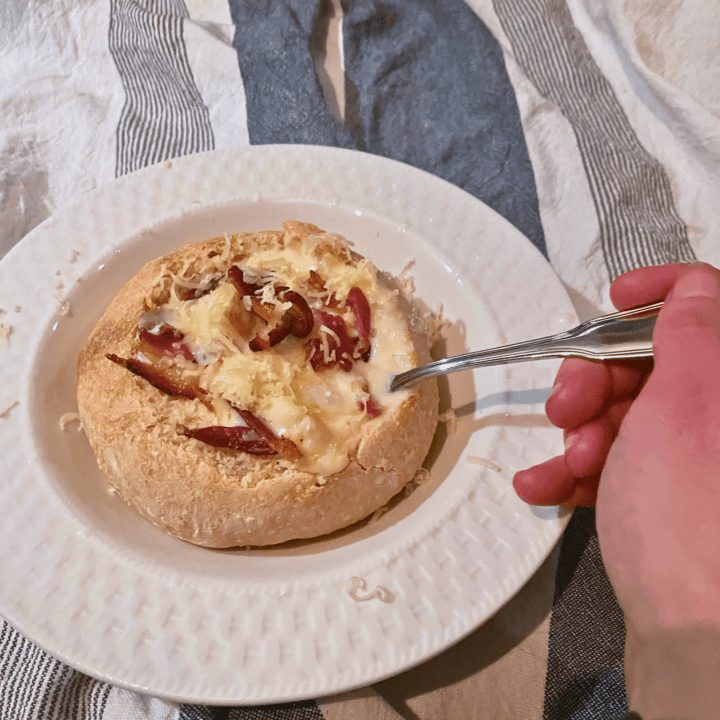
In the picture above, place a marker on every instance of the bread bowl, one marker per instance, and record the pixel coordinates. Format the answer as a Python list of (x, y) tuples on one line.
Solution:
[(236, 391)]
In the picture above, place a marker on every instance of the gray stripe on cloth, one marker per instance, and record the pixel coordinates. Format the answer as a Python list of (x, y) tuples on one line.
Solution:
[(301, 710), (639, 226), (199, 712), (304, 710), (427, 85), (631, 191), (163, 116), (35, 686)]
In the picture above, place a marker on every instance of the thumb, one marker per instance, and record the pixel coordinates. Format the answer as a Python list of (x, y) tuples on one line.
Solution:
[(686, 375), (687, 333)]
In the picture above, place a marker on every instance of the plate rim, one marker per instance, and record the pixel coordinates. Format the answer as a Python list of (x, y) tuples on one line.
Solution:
[(277, 154)]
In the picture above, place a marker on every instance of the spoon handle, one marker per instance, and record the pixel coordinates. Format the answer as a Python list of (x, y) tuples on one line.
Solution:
[(626, 334)]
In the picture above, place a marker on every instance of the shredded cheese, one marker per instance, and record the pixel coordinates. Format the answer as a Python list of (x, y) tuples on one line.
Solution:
[(207, 320), (357, 589), (68, 418), (489, 464), (450, 418)]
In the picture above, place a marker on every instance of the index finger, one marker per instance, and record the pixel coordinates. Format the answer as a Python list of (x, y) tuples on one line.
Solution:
[(645, 285)]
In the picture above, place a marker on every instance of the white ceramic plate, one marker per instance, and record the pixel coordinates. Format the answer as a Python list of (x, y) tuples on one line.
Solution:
[(100, 588)]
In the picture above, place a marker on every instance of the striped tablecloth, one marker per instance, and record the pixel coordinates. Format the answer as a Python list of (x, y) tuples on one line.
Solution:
[(590, 125)]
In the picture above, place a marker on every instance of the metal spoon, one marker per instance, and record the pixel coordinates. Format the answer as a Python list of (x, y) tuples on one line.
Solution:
[(626, 334)]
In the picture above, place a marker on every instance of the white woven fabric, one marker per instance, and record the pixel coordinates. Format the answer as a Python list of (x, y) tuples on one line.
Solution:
[(619, 104)]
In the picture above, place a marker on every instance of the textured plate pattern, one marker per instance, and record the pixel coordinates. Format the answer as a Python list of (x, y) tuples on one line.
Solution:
[(109, 594)]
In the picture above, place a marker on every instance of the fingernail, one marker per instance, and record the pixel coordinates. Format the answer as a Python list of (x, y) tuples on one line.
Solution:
[(570, 440), (556, 389), (697, 283)]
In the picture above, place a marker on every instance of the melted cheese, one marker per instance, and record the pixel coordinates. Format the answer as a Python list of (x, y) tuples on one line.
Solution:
[(209, 324), (321, 412)]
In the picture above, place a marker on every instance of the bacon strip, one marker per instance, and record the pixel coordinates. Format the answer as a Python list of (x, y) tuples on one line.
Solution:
[(168, 341), (270, 335), (370, 408), (282, 446), (297, 320), (316, 283), (343, 351), (169, 380), (301, 316), (233, 438), (236, 277), (361, 309)]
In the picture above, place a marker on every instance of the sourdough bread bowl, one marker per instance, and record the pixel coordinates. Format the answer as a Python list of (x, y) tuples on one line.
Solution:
[(236, 391)]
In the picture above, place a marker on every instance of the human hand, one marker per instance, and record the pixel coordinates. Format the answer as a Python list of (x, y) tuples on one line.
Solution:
[(590, 400), (647, 445)]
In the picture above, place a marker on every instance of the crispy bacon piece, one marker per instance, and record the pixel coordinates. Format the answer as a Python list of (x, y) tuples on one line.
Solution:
[(301, 316), (282, 446), (169, 380), (316, 283), (246, 289), (265, 441), (262, 310), (237, 278), (361, 309), (363, 324), (168, 341), (297, 320), (343, 349), (314, 354), (233, 438), (270, 335), (370, 408)]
